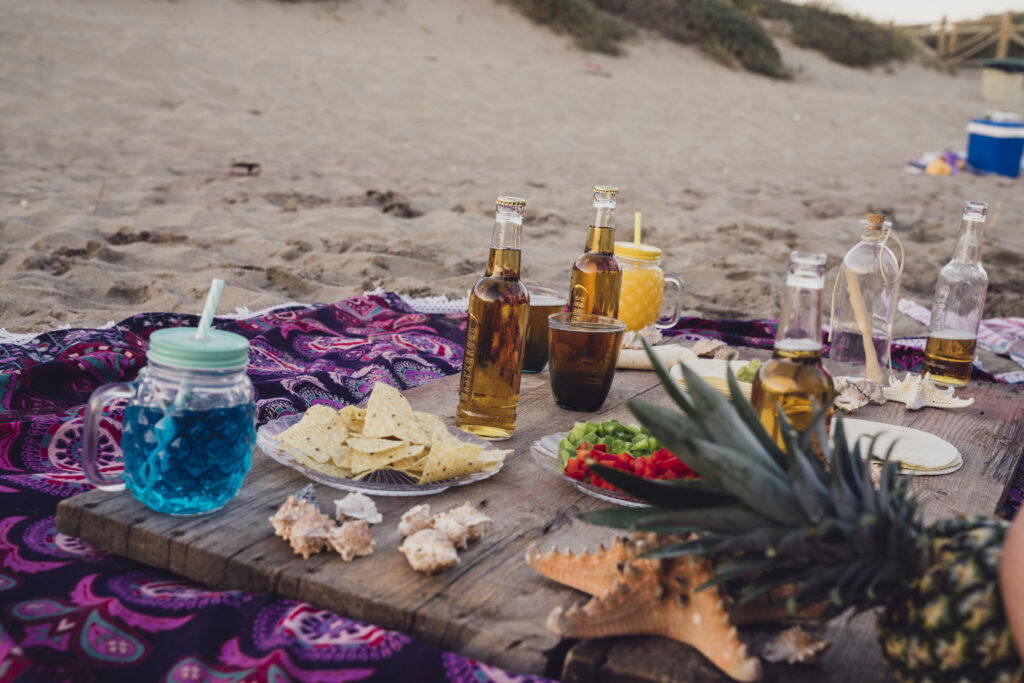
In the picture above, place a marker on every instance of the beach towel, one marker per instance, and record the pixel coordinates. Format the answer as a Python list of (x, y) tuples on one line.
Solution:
[(74, 613)]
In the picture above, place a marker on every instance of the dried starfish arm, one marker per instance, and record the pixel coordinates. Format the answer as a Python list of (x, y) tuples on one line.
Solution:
[(593, 573)]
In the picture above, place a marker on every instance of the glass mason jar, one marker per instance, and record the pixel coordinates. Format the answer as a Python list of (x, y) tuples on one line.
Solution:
[(645, 287), (189, 426)]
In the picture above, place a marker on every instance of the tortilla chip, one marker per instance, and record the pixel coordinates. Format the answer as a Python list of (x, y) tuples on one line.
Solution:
[(361, 463), (320, 434), (448, 457), (353, 417), (364, 445), (327, 468), (429, 422), (389, 414)]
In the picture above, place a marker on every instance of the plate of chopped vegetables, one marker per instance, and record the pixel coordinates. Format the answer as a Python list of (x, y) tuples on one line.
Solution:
[(625, 447)]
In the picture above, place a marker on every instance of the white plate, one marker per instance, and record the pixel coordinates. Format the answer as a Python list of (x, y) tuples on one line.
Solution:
[(545, 454), (379, 483), (921, 453), (713, 372)]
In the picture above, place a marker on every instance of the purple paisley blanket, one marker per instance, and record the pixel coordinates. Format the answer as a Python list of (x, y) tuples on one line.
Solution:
[(71, 612)]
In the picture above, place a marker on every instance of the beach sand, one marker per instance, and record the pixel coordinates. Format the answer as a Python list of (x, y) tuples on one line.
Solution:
[(384, 132)]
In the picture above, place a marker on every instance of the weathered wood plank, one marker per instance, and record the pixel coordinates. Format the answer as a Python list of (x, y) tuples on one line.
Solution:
[(492, 606)]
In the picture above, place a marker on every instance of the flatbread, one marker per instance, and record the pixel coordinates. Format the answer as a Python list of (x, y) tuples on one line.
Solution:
[(917, 451)]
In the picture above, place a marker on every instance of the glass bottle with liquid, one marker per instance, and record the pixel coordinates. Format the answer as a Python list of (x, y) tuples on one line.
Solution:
[(794, 377), (957, 306), (495, 333), (864, 305), (596, 278)]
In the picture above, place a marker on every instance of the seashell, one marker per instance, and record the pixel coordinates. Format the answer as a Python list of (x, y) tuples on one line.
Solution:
[(453, 530), (352, 539), (291, 510), (795, 646), (708, 348), (356, 506), (309, 533), (917, 392), (429, 551), (415, 519), (633, 340), (476, 522), (857, 392)]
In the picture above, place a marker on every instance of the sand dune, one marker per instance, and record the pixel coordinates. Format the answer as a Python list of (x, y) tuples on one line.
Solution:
[(385, 130)]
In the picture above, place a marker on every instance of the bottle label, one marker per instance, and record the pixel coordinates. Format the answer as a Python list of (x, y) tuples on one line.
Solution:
[(580, 301), (469, 359)]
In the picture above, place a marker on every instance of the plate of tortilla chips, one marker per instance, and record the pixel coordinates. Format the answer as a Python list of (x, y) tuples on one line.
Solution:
[(385, 448)]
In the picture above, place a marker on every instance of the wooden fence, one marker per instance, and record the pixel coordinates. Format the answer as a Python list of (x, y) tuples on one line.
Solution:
[(966, 43)]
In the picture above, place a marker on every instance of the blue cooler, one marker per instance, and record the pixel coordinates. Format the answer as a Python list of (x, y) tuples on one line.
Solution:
[(995, 147)]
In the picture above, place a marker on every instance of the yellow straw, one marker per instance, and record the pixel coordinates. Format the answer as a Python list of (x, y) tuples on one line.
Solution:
[(636, 228)]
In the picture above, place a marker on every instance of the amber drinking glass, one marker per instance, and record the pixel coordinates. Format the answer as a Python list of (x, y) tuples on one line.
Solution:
[(543, 302), (583, 351)]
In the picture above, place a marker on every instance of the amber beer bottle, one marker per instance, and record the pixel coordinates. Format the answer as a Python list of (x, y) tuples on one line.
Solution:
[(496, 330), (596, 278), (956, 309), (794, 378)]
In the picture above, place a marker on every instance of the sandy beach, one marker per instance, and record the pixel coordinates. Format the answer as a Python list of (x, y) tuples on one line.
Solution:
[(384, 131)]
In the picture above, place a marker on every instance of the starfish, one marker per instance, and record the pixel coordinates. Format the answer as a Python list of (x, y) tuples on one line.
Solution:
[(634, 595), (918, 392)]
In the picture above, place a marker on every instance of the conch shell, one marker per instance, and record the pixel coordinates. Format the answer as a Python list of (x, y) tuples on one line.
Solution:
[(857, 392), (918, 392), (795, 646)]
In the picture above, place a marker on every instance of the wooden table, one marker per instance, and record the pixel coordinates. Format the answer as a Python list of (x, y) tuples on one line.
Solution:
[(492, 606)]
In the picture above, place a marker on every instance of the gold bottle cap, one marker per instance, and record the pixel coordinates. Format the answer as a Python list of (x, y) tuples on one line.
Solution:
[(514, 202), (605, 191)]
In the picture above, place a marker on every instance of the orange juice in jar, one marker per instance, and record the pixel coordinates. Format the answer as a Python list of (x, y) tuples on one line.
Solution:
[(645, 287)]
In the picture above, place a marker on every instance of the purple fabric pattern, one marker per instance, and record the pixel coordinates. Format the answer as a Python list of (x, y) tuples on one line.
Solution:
[(71, 612)]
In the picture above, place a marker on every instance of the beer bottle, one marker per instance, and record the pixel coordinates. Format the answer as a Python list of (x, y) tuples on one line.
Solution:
[(793, 378), (496, 330), (956, 309), (864, 304), (596, 277)]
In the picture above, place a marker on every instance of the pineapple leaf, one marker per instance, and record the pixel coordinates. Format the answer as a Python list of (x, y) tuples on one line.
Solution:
[(749, 480), (808, 478), (726, 518), (744, 565), (712, 543), (770, 580), (848, 506), (675, 432), (746, 412), (618, 518), (667, 493), (723, 424), (675, 391)]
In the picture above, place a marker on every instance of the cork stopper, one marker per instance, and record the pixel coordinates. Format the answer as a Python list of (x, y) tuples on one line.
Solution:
[(875, 221)]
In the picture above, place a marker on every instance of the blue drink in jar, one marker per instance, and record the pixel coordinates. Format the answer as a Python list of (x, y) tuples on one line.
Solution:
[(189, 426)]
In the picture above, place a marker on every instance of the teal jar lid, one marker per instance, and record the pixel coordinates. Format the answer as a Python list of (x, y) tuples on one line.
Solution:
[(178, 346)]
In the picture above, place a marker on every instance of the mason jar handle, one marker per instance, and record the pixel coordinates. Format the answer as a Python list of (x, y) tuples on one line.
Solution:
[(91, 431), (674, 294)]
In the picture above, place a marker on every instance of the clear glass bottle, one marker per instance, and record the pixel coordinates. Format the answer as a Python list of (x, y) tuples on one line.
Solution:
[(864, 305), (958, 303), (495, 334), (794, 378), (596, 278)]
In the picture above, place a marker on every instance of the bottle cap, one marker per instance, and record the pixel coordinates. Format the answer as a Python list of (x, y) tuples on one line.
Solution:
[(179, 347), (513, 202), (639, 252)]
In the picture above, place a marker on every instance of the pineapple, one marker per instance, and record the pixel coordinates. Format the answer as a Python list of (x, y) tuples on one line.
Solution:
[(774, 517)]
